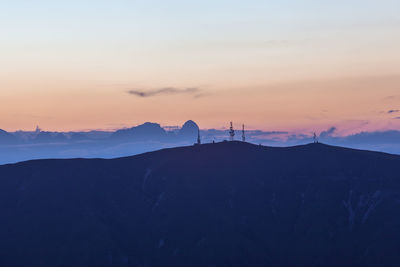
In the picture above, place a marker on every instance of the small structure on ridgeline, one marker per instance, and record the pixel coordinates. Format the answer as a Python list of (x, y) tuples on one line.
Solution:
[(243, 134), (198, 138), (315, 138), (198, 142), (231, 133)]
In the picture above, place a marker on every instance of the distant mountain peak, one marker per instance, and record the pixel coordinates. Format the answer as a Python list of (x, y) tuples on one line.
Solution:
[(148, 125), (6, 137), (189, 128), (142, 132)]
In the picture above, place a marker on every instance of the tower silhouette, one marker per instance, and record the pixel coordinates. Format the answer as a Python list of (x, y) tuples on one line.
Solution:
[(198, 138), (231, 133), (243, 135), (315, 137)]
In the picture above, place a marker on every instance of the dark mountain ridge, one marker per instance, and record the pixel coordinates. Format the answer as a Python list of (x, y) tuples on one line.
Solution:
[(228, 203)]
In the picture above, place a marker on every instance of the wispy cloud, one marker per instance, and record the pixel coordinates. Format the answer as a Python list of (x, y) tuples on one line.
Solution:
[(166, 91), (328, 133), (393, 111), (392, 97)]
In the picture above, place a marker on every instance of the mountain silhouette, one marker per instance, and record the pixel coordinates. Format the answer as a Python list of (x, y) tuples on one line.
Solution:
[(145, 132), (27, 145), (189, 130), (222, 204), (47, 137), (7, 138)]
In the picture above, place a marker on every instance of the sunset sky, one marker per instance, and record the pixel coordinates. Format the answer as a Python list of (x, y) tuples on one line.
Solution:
[(274, 65)]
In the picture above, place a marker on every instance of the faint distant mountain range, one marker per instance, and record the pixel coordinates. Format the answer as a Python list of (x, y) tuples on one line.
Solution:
[(223, 204), (7, 138), (38, 144), (145, 132), (154, 132), (25, 145)]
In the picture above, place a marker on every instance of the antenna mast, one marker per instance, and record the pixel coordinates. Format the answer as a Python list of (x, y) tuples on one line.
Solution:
[(315, 138), (231, 133), (243, 135), (198, 137)]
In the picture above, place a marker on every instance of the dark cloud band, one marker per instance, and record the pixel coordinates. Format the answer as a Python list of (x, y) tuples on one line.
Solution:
[(164, 91)]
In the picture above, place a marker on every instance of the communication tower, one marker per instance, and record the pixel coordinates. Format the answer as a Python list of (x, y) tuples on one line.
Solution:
[(315, 138), (198, 138), (231, 133)]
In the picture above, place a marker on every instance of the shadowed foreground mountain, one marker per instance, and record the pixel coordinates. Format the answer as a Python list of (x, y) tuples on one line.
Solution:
[(229, 203)]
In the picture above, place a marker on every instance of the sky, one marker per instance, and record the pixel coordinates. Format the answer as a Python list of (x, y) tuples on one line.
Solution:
[(274, 65)]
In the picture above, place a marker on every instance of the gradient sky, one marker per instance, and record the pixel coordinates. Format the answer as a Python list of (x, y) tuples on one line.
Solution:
[(274, 65)]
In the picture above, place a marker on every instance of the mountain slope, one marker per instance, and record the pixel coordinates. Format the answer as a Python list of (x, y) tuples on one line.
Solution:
[(6, 138), (228, 203)]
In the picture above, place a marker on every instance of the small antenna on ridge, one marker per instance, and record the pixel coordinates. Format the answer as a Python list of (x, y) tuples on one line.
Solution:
[(231, 133), (198, 137), (243, 135), (315, 138)]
